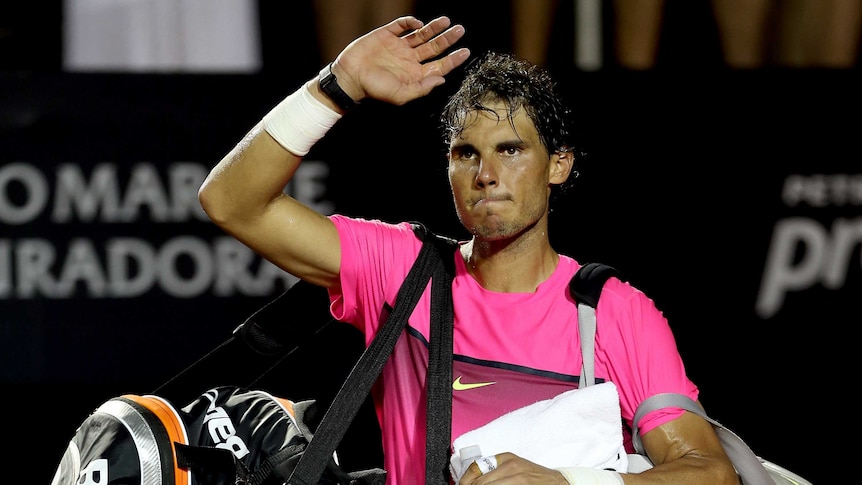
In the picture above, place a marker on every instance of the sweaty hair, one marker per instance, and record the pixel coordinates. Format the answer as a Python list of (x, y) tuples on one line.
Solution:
[(520, 85)]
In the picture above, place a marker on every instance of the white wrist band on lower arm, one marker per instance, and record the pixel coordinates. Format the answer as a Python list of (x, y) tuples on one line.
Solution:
[(298, 121), (577, 475)]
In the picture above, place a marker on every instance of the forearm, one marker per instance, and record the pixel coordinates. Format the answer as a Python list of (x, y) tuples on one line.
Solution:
[(687, 470), (254, 173), (685, 450)]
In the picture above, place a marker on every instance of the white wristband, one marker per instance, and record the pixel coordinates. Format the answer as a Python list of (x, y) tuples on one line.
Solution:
[(577, 475), (298, 121)]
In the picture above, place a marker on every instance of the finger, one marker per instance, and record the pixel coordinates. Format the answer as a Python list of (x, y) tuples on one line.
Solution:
[(404, 24), (470, 474), (440, 44), (445, 65), (427, 33)]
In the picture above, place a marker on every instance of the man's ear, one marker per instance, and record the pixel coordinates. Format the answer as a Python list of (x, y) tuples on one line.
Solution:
[(562, 162)]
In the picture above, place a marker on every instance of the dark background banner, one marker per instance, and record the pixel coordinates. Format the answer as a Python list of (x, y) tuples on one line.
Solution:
[(731, 198)]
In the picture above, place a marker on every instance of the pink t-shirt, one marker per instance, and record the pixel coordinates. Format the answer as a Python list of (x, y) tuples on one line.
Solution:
[(510, 349)]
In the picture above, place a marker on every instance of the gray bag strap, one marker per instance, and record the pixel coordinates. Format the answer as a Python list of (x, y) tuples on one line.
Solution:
[(585, 287), (587, 331), (748, 465)]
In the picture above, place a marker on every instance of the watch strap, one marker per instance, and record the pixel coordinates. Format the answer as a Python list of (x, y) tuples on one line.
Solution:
[(329, 85)]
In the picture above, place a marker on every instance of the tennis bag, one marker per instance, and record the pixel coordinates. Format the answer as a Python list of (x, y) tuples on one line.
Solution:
[(227, 436), (231, 435)]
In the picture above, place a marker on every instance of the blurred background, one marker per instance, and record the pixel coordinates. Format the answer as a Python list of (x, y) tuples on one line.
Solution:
[(722, 176)]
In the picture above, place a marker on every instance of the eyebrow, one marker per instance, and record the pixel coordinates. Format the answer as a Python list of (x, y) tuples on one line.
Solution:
[(503, 145), (517, 143), (457, 148)]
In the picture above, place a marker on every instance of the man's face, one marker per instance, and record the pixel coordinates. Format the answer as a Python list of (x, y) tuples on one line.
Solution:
[(499, 174)]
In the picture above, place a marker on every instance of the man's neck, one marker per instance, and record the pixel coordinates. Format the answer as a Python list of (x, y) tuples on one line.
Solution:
[(509, 267)]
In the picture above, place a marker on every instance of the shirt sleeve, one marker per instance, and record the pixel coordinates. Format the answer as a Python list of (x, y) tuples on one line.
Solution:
[(637, 346), (375, 259)]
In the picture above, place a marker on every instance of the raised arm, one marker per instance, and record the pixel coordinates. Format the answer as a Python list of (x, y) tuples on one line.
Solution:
[(243, 194)]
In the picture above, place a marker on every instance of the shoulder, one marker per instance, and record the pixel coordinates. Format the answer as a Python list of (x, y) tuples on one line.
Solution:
[(622, 302), (375, 257), (618, 290), (373, 231), (610, 286), (374, 246)]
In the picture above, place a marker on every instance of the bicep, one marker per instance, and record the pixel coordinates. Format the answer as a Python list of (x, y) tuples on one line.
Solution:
[(689, 435)]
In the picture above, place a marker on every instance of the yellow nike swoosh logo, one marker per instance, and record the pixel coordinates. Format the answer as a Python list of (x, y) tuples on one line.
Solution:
[(460, 386)]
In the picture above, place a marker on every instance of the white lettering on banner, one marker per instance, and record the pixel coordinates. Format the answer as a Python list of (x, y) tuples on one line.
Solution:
[(803, 252), (125, 267), (96, 473), (133, 267), (34, 186), (221, 428), (82, 199), (75, 196), (822, 190)]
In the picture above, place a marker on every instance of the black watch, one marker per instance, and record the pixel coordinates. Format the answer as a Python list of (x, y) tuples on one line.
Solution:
[(329, 85)]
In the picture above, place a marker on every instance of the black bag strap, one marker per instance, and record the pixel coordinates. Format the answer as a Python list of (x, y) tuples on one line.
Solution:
[(261, 343), (439, 382), (358, 384), (586, 287)]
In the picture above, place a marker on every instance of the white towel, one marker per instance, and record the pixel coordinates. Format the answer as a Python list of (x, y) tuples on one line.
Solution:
[(581, 427)]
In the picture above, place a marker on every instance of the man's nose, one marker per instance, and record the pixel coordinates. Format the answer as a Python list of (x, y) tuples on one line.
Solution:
[(488, 172)]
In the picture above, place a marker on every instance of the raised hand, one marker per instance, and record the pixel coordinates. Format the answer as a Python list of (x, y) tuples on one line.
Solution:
[(400, 61)]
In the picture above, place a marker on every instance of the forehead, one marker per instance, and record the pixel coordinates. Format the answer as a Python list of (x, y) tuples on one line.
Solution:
[(497, 120)]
